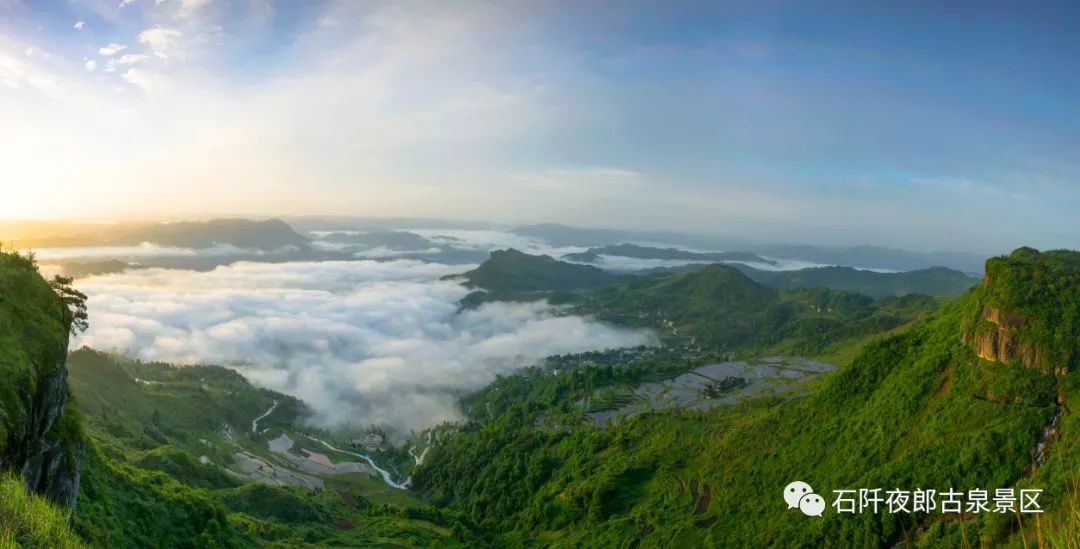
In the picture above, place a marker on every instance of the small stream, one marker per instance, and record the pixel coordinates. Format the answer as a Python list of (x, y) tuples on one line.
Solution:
[(386, 475)]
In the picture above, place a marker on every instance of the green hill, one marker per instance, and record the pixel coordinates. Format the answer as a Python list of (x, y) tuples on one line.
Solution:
[(509, 272), (720, 308), (932, 281)]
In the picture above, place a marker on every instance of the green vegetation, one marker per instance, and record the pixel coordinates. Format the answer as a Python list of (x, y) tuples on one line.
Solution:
[(154, 474), (719, 308), (979, 391), (1029, 309), (32, 521), (510, 272), (915, 409), (40, 436)]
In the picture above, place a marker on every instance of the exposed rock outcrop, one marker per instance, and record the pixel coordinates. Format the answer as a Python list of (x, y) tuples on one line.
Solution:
[(999, 342), (40, 437), (1019, 317)]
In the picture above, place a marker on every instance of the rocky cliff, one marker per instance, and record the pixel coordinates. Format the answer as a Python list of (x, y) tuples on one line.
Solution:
[(1024, 313), (40, 435)]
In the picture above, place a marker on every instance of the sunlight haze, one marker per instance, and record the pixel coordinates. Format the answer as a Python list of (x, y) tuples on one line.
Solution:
[(514, 112)]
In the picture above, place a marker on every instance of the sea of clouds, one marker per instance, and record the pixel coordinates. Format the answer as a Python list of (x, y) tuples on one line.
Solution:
[(361, 342), (144, 250)]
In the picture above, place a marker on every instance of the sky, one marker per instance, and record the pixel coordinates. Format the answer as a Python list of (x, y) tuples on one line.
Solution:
[(954, 126)]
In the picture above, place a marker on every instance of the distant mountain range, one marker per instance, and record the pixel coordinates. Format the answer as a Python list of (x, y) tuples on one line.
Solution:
[(510, 272), (867, 257), (594, 255), (932, 281), (242, 233), (252, 239)]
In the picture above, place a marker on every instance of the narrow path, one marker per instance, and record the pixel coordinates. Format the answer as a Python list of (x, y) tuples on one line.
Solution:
[(419, 458), (387, 477), (255, 422)]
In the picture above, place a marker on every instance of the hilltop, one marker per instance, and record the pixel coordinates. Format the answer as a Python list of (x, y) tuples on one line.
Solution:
[(509, 272)]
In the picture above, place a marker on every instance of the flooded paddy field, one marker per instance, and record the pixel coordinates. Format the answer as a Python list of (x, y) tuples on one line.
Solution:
[(706, 387)]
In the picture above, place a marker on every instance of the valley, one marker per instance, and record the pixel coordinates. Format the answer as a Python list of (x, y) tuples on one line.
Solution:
[(569, 446)]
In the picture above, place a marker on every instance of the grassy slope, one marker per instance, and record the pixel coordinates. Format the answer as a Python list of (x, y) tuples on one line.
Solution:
[(31, 521)]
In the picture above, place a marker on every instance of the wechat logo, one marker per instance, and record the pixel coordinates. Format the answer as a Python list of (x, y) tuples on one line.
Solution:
[(799, 495)]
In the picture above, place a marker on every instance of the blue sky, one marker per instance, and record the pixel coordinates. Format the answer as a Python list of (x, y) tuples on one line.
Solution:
[(926, 125)]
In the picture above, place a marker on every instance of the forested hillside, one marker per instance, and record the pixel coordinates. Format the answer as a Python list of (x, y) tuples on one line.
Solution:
[(919, 408), (718, 307)]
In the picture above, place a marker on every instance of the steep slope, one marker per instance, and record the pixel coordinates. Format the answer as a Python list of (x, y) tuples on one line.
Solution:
[(1027, 311), (40, 435)]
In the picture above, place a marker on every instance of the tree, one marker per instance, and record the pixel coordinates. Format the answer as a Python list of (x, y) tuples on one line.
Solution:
[(74, 302)]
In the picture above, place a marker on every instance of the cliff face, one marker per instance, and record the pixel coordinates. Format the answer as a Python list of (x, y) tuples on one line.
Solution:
[(1027, 311), (40, 436)]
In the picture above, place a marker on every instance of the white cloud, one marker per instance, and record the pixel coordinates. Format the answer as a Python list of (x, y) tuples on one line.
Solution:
[(79, 25), (126, 2), (126, 59), (161, 40), (189, 7), (488, 240), (91, 65), (363, 341), (150, 81), (112, 49)]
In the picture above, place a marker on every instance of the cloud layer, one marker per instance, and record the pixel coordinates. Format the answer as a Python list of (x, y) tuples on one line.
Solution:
[(361, 341)]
